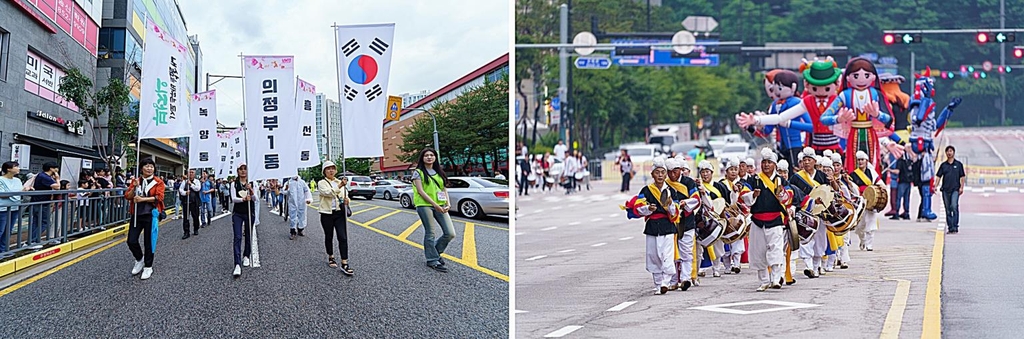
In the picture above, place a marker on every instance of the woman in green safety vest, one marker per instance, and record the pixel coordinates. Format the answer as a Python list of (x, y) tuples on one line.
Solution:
[(429, 182)]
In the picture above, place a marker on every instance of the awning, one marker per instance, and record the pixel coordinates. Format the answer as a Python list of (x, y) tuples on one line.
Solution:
[(63, 149)]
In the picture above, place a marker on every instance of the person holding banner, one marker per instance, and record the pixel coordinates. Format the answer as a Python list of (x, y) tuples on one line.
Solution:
[(242, 195), (333, 211), (190, 192), (146, 199), (431, 197)]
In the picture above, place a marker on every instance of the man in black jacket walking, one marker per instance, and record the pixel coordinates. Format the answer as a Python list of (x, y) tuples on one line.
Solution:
[(952, 176)]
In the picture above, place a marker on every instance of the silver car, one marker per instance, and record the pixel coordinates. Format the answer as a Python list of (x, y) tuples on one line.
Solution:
[(361, 186), (388, 189), (472, 197)]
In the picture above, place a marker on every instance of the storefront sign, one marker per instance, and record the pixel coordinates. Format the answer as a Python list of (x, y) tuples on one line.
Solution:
[(21, 154), (75, 127)]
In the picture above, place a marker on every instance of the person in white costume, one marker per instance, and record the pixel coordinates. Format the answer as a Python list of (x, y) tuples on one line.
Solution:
[(769, 201)]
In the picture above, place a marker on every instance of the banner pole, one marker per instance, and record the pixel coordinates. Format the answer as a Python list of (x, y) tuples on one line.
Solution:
[(337, 72), (245, 141)]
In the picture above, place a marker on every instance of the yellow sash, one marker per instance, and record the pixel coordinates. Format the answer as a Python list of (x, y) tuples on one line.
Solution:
[(711, 188), (767, 182), (863, 177), (656, 193), (808, 179), (679, 187)]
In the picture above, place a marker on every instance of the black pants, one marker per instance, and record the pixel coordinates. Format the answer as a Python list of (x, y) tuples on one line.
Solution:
[(626, 177), (141, 224), (335, 223), (224, 201), (242, 225), (191, 209), (524, 184)]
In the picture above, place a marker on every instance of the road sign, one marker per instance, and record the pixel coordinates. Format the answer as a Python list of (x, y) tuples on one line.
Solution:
[(700, 23), (394, 108), (664, 57), (987, 66), (683, 37), (517, 109), (594, 62), (556, 104), (584, 38)]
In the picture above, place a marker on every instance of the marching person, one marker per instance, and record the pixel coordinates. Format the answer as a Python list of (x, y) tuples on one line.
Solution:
[(146, 199), (242, 195), (806, 180), (865, 176), (769, 204), (190, 192), (710, 190), (205, 201), (660, 214), (297, 193), (333, 207), (626, 167), (431, 200), (952, 176), (733, 186), (834, 244), (783, 171), (685, 191)]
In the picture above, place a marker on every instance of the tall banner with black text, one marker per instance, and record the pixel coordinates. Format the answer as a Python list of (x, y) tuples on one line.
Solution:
[(364, 56), (203, 146), (270, 121), (305, 96), (224, 169), (163, 105)]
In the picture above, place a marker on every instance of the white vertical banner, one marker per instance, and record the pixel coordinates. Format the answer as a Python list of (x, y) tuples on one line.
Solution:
[(21, 153), (364, 57), (223, 155), (270, 120), (163, 106), (203, 146), (305, 96), (237, 138)]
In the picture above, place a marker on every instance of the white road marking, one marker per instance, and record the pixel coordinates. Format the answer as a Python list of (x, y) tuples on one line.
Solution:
[(549, 228), (519, 233), (596, 219), (574, 223), (621, 306), (613, 215), (556, 208), (518, 311), (626, 238), (983, 138), (566, 251), (782, 306), (537, 257), (599, 244), (563, 331), (538, 211)]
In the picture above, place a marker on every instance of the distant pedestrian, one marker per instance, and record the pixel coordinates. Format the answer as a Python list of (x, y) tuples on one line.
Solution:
[(146, 197), (9, 214), (626, 168), (431, 199), (953, 177), (905, 176), (560, 150), (333, 209)]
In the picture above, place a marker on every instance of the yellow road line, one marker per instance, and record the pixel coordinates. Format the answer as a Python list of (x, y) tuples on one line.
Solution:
[(408, 231), (36, 277), (380, 218), (414, 213), (469, 244), (894, 319), (932, 327), (365, 209), (446, 256)]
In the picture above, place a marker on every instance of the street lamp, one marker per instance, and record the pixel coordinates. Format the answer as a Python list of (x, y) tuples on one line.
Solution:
[(437, 148)]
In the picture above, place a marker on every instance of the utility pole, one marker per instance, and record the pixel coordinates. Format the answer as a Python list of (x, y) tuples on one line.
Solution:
[(563, 68), (1002, 61)]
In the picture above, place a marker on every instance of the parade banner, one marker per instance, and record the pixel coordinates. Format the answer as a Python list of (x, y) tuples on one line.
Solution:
[(237, 150), (163, 107), (271, 126), (309, 152), (364, 66), (223, 155), (21, 153), (203, 146)]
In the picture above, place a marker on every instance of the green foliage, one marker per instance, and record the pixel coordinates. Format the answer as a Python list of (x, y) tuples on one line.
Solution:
[(112, 100), (357, 166)]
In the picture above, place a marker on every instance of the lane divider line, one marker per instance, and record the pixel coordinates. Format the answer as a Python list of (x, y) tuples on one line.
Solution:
[(894, 319), (371, 222), (412, 228), (469, 244), (599, 244), (566, 251), (403, 210), (549, 228), (537, 257), (574, 223), (626, 238), (365, 209), (621, 306), (563, 331), (932, 324)]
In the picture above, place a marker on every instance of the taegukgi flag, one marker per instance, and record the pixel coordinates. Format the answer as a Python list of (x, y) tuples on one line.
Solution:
[(270, 122), (163, 105), (365, 65), (305, 96), (203, 145)]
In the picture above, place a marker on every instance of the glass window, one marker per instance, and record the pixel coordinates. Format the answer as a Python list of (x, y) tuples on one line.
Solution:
[(491, 182), (457, 183)]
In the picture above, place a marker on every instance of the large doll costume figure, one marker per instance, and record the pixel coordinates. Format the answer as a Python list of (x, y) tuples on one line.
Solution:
[(925, 125), (781, 86)]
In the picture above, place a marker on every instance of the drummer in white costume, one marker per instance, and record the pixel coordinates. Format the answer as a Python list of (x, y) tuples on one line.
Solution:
[(864, 177), (842, 258), (769, 201), (730, 181), (710, 190)]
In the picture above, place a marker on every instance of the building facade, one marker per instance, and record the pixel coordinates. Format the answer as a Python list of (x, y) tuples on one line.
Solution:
[(390, 165), (410, 98), (328, 127), (39, 42)]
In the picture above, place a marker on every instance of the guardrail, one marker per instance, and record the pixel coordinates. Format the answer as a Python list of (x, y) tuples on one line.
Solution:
[(63, 216)]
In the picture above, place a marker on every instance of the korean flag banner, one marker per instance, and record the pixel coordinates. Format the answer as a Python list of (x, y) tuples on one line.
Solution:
[(364, 54), (203, 146), (309, 152), (270, 119), (163, 105), (224, 156)]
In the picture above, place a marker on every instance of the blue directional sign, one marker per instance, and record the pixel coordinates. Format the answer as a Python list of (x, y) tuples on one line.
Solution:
[(593, 63), (556, 104), (664, 57)]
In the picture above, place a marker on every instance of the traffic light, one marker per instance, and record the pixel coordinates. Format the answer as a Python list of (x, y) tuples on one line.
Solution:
[(1018, 52), (970, 69), (888, 39), (1005, 37), (982, 37), (911, 38), (1001, 69), (984, 75), (1009, 69)]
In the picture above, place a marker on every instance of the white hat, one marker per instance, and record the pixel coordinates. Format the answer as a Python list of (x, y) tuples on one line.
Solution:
[(683, 163), (783, 165), (827, 153), (732, 162), (672, 163), (768, 154), (750, 161), (659, 162), (826, 162), (821, 160), (705, 165), (862, 155), (837, 158), (327, 164), (807, 152)]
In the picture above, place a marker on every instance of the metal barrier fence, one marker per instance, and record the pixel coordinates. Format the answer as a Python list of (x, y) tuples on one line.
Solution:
[(55, 217)]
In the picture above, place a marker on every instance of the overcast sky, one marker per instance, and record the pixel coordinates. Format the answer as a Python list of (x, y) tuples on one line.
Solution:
[(436, 41)]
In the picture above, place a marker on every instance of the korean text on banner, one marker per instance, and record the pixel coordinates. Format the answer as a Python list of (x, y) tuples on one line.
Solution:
[(237, 143), (163, 107), (224, 153), (309, 152), (203, 147), (364, 57), (270, 122)]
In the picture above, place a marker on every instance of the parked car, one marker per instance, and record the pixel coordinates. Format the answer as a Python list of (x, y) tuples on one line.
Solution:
[(470, 196), (388, 189), (641, 153), (691, 148), (361, 186), (740, 150)]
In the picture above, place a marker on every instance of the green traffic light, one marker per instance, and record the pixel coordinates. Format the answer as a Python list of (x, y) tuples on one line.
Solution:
[(970, 69), (1008, 69)]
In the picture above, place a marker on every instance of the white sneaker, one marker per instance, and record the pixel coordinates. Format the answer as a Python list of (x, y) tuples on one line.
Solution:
[(147, 272), (138, 267), (245, 261), (238, 271)]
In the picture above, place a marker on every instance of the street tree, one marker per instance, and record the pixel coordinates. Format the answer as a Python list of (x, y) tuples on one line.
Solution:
[(111, 100)]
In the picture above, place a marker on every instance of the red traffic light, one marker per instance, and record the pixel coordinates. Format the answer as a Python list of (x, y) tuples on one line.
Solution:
[(1018, 53), (888, 39), (982, 38)]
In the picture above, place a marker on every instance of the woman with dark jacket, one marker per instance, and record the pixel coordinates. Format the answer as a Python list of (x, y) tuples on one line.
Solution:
[(146, 203)]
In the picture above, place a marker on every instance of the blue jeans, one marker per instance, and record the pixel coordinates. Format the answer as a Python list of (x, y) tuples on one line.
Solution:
[(7, 221), (241, 228), (177, 204), (903, 196), (433, 248), (205, 212), (952, 202), (40, 221)]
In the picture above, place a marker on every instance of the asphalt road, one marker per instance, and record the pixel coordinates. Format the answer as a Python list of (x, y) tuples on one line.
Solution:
[(987, 146), (293, 295), (580, 273)]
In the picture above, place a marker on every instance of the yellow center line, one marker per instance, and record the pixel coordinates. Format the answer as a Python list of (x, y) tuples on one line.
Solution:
[(408, 231), (365, 209), (469, 244), (446, 256), (894, 319), (48, 272), (381, 217), (932, 326), (410, 212)]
